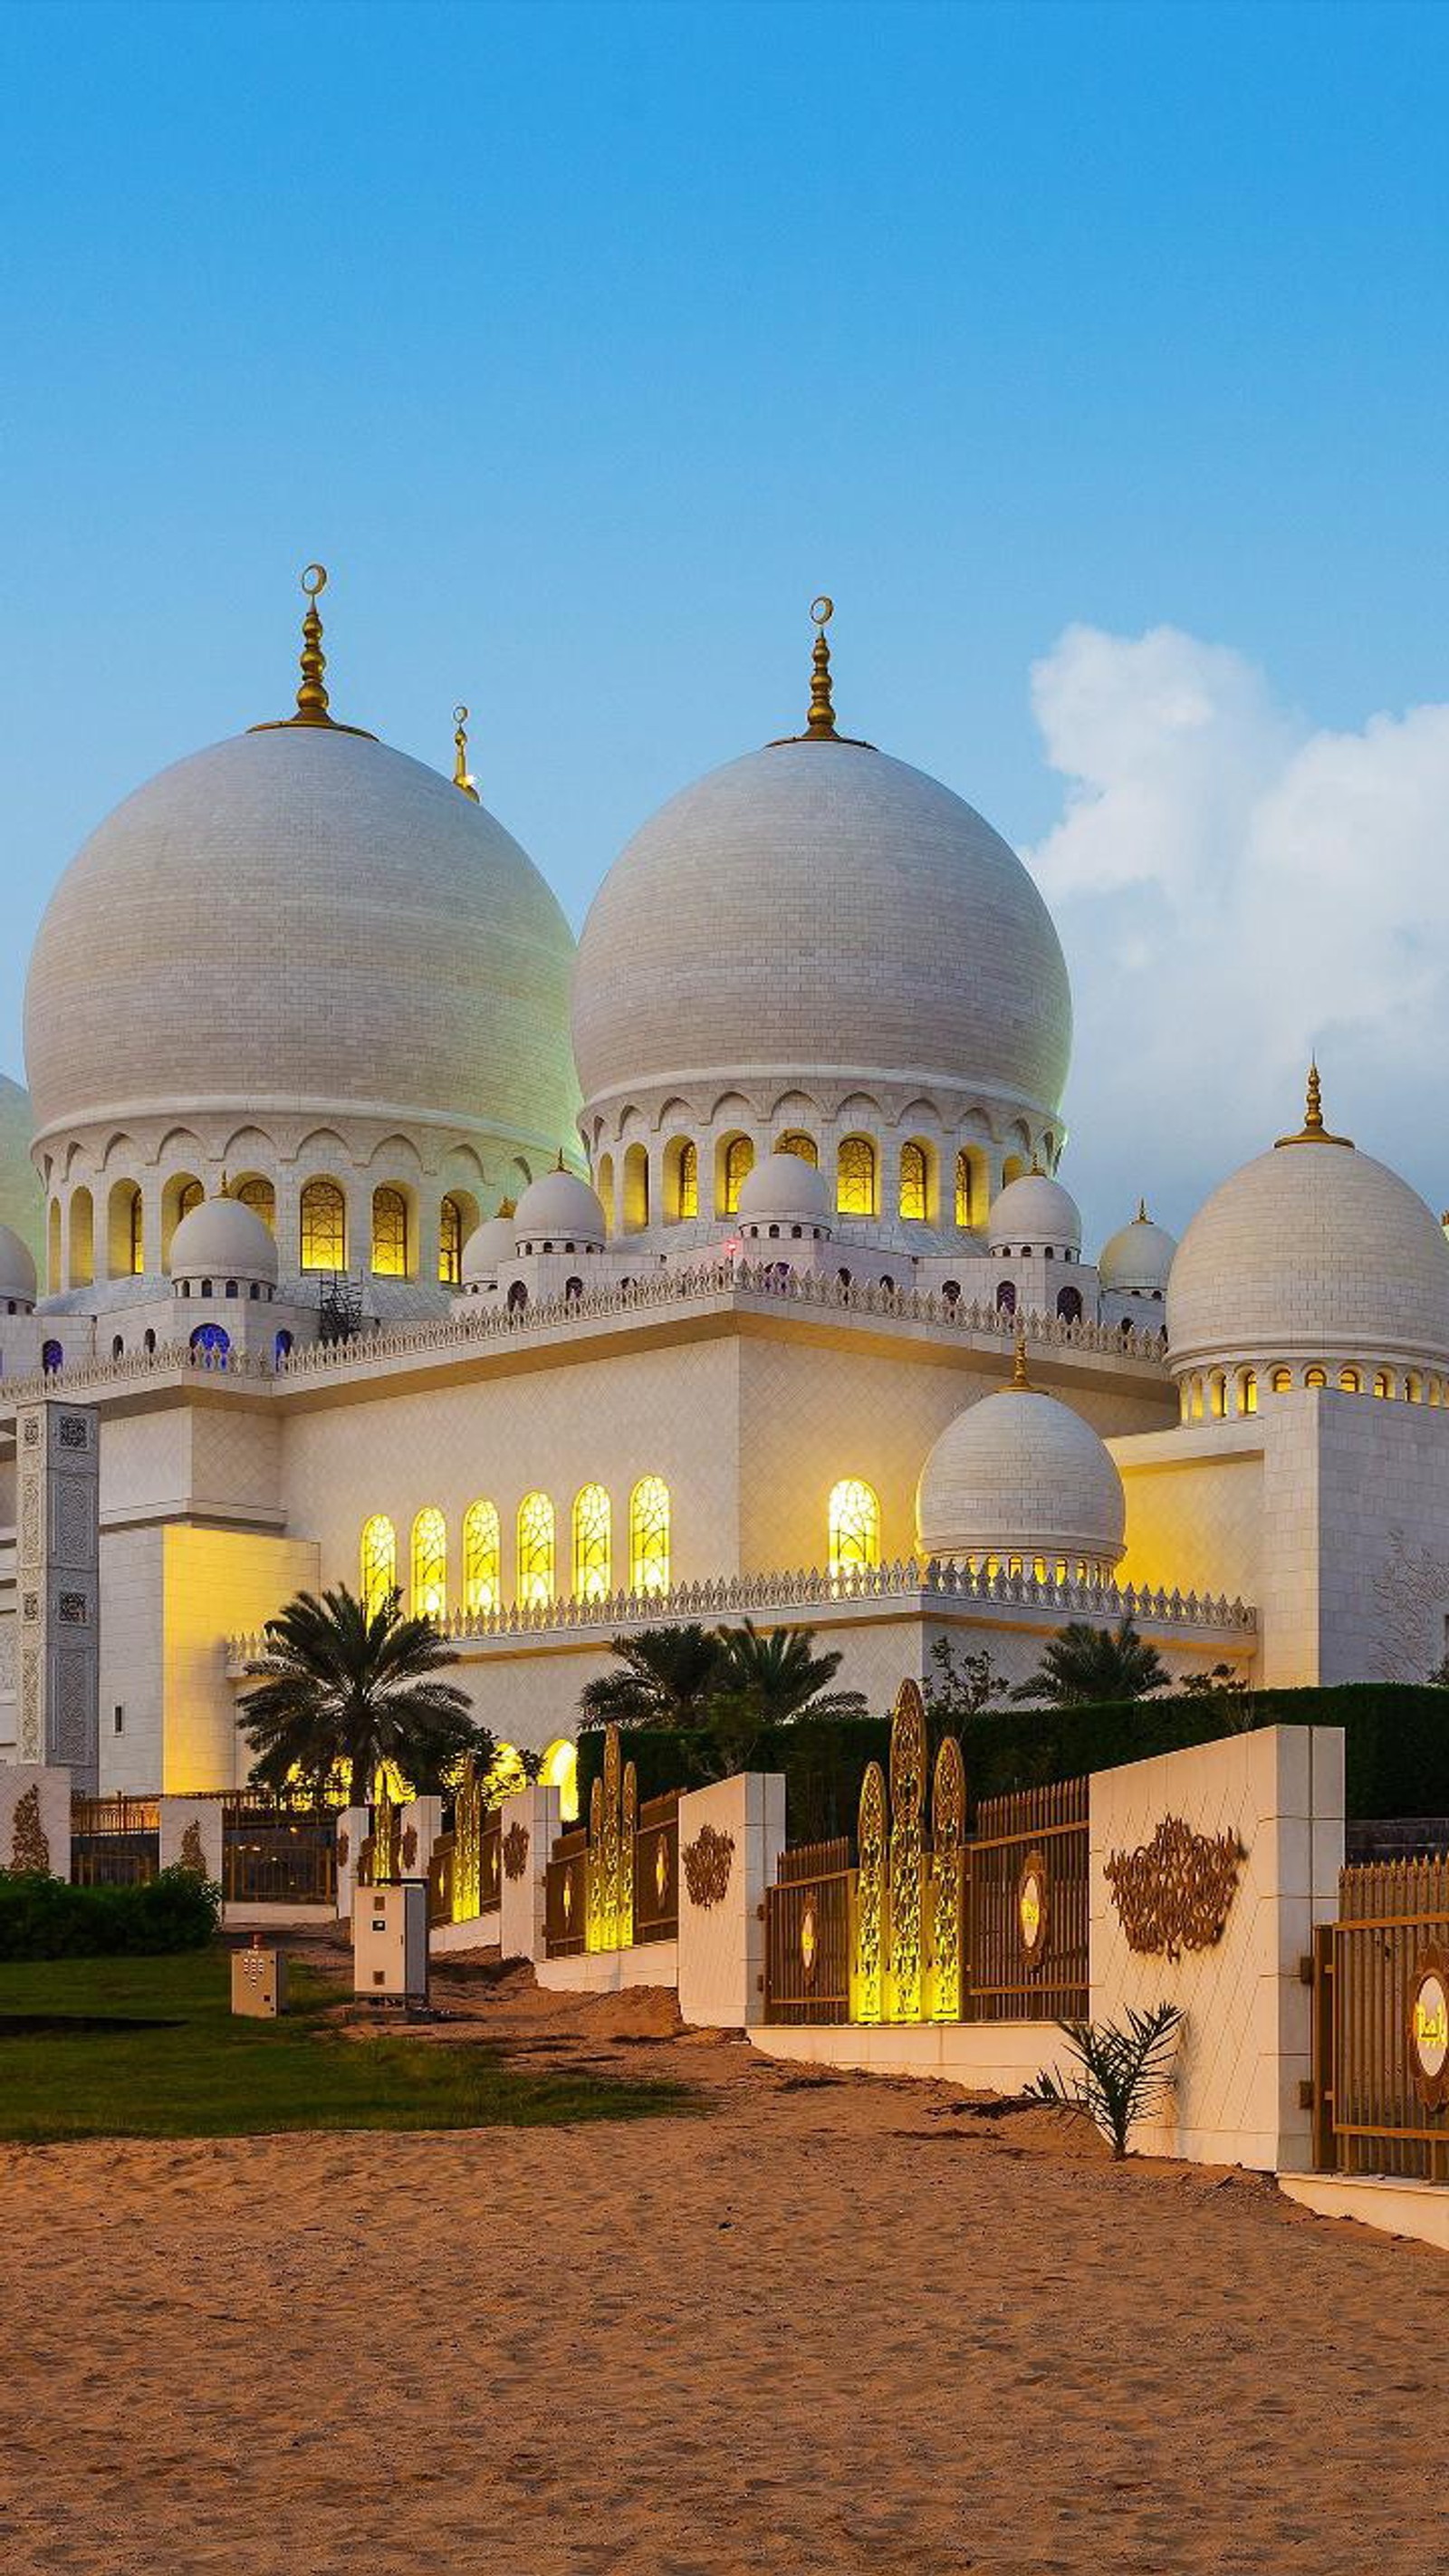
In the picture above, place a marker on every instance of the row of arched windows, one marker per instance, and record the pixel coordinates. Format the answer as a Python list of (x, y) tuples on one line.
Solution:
[(858, 1178), (322, 1217), (1220, 1393), (535, 1551)]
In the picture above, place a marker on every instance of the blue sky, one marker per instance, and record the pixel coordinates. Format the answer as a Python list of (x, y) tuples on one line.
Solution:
[(586, 344)]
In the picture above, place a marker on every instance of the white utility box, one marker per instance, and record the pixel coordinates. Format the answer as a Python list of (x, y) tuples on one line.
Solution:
[(390, 1941)]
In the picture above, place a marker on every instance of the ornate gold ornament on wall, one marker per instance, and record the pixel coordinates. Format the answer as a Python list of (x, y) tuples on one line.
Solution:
[(29, 1849), (1173, 1893), (1429, 2027), (343, 1848), (707, 1867), (515, 1851), (1033, 1907), (907, 1850), (409, 1850), (192, 1855), (809, 1938)]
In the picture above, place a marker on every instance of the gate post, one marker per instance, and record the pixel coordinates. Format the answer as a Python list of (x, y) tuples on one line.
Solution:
[(1324, 2154)]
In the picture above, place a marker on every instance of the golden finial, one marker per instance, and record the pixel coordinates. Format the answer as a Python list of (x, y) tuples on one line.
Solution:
[(1020, 1382), (461, 778), (507, 1207), (311, 689), (225, 1191), (1313, 1131), (821, 724), (1142, 1217)]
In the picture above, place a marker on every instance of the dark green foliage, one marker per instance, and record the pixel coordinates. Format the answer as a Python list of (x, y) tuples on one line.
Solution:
[(1397, 1748), (1122, 2074), (344, 1690), (1084, 1662), (44, 1918), (666, 1677)]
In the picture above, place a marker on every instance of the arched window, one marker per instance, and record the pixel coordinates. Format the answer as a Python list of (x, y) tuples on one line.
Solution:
[(259, 1195), (915, 1182), (430, 1564), (281, 1348), (148, 1340), (450, 1243), (1315, 1377), (795, 1141), (1217, 1395), (389, 1234), (52, 1260), (854, 1525), (559, 1770), (125, 1234), (118, 1345), (482, 1571), (211, 1343), (377, 1562), (739, 1162), (324, 1227), (1383, 1382), (636, 1188), (1413, 1388), (1351, 1381), (604, 1188), (535, 1548), (1248, 1391), (82, 1238), (592, 1544), (1281, 1380), (573, 1290), (951, 1292), (686, 1180), (649, 1535), (52, 1357), (135, 1236), (965, 1190), (517, 1297), (1069, 1305), (189, 1196), (1006, 1297), (855, 1177), (1197, 1399)]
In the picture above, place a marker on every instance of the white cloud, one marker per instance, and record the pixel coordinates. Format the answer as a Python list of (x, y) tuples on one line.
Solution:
[(1234, 889)]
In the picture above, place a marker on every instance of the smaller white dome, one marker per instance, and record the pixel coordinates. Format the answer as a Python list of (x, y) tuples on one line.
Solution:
[(18, 1278), (1034, 1211), (486, 1250), (1020, 1475), (1138, 1257), (784, 1189), (559, 1208), (222, 1239)]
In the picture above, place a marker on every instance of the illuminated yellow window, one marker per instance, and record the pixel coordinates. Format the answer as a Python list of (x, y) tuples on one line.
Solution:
[(795, 1141), (378, 1562), (189, 1195), (1413, 1389), (1315, 1377), (389, 1234), (482, 1584), (52, 1257), (135, 1236), (261, 1198), (913, 1181), (855, 1177), (649, 1535), (739, 1162), (854, 1525), (1383, 1382), (965, 1193), (686, 1193), (604, 1187), (535, 1548), (430, 1564), (1282, 1380), (1351, 1381), (1197, 1399), (450, 1243), (1248, 1391), (324, 1227), (1217, 1395), (559, 1770), (592, 1544)]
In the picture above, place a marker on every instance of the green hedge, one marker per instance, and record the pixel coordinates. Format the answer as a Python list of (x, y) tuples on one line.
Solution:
[(1397, 1748), (43, 1918)]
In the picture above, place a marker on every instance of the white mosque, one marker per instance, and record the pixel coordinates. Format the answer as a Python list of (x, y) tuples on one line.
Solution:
[(360, 1229)]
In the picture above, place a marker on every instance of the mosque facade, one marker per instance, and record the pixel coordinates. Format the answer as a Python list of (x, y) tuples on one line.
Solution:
[(361, 1229)]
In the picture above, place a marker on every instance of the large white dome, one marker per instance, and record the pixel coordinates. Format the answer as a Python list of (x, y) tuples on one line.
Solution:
[(1020, 1475), (820, 906), (1138, 1258), (1034, 1212), (1311, 1251), (301, 918)]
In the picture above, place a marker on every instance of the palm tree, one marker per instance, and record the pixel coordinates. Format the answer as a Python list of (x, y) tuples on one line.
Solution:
[(346, 1689), (775, 1676), (1087, 1663), (668, 1678)]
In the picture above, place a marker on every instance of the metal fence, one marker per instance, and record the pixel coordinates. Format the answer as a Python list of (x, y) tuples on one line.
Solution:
[(1027, 1907), (1381, 2022), (566, 1896), (276, 1854), (114, 1842), (809, 1934), (656, 1869)]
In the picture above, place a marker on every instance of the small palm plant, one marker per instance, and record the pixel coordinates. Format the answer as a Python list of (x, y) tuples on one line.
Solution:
[(1123, 2075), (666, 1679), (1084, 1662), (344, 1689)]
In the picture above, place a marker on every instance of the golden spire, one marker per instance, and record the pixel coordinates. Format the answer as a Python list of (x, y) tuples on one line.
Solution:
[(1142, 1217), (311, 689), (507, 1207), (1020, 1382), (1313, 1131), (821, 724), (461, 777)]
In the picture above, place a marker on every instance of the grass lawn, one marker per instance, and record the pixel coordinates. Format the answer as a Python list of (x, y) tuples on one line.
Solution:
[(148, 2048)]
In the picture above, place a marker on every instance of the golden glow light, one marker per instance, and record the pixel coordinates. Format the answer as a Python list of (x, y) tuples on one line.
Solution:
[(389, 1234), (430, 1564), (739, 1162), (592, 1544), (649, 1535), (687, 1195), (482, 1587), (535, 1549), (324, 1227), (854, 1525), (855, 1177), (913, 1182), (378, 1562)]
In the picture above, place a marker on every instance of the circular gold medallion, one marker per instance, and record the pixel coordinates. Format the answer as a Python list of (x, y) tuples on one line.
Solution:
[(1429, 2028), (661, 1866), (1031, 1907), (809, 1941)]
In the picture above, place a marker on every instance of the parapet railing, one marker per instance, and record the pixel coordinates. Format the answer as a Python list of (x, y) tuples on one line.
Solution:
[(476, 1323), (906, 1578)]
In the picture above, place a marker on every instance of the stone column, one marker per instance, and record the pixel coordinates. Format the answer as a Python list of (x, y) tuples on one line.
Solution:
[(730, 1838), (353, 1827), (58, 1587), (530, 1823)]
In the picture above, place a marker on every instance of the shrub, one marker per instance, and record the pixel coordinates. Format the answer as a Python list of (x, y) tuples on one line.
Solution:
[(1122, 2075), (43, 1918)]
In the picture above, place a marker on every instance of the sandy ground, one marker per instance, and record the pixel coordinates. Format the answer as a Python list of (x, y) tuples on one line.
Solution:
[(836, 2325)]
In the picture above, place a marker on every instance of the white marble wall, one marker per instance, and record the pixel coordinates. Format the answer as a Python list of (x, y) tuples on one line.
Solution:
[(722, 1940)]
